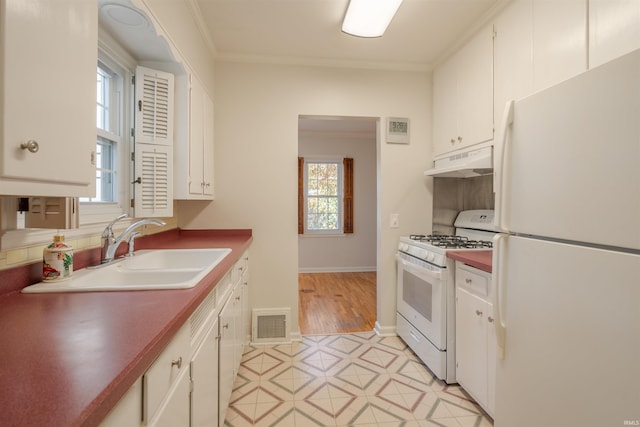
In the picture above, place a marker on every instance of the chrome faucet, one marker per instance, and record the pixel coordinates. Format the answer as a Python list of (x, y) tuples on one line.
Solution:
[(110, 243)]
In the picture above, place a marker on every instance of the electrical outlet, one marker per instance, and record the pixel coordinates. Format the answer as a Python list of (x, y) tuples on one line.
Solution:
[(394, 221)]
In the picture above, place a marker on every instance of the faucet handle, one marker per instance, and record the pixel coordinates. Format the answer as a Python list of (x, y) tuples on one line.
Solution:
[(108, 230), (130, 241)]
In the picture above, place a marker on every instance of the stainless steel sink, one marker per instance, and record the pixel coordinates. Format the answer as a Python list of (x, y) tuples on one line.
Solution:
[(146, 270)]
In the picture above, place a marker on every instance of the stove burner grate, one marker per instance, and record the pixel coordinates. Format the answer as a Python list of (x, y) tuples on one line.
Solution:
[(451, 242)]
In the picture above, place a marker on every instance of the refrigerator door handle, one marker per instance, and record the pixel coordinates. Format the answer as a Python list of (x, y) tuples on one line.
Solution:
[(496, 278), (499, 169)]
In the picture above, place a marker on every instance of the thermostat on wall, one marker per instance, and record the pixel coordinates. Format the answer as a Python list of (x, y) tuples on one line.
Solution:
[(397, 130)]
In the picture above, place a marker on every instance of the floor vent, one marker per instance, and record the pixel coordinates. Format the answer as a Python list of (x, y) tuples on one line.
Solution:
[(270, 325)]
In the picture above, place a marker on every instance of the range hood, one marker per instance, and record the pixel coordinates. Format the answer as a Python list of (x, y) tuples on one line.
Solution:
[(464, 165)]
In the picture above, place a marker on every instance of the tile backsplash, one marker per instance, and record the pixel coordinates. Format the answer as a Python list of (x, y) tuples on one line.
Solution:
[(31, 253), (452, 195)]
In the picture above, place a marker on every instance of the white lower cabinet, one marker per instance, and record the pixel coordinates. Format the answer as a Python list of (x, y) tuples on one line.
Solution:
[(226, 375), (204, 378), (190, 382), (475, 335), (174, 410), (161, 384), (128, 411)]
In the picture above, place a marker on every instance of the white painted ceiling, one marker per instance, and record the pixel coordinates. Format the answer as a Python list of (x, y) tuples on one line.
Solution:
[(310, 31)]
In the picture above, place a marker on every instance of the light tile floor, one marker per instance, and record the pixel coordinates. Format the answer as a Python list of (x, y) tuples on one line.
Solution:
[(357, 379)]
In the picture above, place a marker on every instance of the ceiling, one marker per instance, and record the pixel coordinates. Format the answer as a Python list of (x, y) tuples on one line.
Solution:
[(310, 31)]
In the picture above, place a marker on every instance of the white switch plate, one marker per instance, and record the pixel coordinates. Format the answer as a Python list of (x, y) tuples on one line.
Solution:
[(394, 221)]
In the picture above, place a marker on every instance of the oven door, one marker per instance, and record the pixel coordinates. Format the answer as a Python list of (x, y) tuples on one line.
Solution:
[(422, 298)]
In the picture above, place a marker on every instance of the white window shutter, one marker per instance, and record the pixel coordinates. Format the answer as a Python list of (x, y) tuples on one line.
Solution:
[(153, 183), (52, 212), (154, 106)]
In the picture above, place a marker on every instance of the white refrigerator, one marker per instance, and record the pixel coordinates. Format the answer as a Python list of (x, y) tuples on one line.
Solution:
[(567, 261)]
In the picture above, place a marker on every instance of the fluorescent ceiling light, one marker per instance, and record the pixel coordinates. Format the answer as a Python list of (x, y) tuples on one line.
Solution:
[(369, 18)]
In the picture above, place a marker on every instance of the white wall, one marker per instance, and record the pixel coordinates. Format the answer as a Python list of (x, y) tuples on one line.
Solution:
[(256, 137), (348, 252), (176, 20)]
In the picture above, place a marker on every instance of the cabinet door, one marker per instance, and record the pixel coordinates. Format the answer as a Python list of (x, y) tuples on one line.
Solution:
[(246, 306), (196, 137), (49, 60), (475, 90), (471, 344), (559, 41), (175, 409), (463, 96), (512, 60), (614, 29), (445, 125), (239, 329), (227, 358), (207, 148), (204, 376), (128, 411), (200, 142)]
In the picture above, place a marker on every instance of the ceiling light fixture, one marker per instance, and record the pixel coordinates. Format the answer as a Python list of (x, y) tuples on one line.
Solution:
[(369, 18)]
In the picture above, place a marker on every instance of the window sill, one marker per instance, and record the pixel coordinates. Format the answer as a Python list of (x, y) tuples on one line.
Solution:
[(323, 235)]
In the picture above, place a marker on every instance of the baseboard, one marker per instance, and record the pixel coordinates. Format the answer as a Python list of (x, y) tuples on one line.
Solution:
[(336, 269), (385, 331)]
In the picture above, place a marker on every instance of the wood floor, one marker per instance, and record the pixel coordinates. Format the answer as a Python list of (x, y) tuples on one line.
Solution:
[(331, 303)]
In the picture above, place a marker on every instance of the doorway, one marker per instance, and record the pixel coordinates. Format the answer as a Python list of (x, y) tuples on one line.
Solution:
[(337, 270)]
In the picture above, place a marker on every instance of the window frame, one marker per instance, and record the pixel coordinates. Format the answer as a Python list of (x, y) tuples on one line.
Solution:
[(339, 196), (120, 123)]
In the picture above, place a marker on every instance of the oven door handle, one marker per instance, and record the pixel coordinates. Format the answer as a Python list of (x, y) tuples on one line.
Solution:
[(416, 269)]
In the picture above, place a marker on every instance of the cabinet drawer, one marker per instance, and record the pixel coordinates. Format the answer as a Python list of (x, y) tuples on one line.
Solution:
[(472, 280), (164, 371)]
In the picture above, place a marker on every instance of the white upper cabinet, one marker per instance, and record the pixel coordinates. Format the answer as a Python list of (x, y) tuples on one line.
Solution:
[(463, 96), (194, 144), (48, 86), (513, 66), (614, 29), (559, 48)]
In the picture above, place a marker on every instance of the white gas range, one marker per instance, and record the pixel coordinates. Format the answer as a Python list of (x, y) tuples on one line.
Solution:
[(426, 289)]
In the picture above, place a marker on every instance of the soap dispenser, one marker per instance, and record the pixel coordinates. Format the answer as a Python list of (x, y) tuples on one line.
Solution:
[(57, 260)]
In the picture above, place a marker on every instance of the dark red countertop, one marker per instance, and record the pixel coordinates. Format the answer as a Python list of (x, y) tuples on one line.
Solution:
[(68, 358), (478, 259)]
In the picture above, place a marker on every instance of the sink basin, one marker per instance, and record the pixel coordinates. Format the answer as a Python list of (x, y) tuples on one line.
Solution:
[(173, 259), (146, 270)]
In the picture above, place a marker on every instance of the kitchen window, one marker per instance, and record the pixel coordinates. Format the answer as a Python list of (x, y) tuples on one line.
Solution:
[(325, 196), (112, 143)]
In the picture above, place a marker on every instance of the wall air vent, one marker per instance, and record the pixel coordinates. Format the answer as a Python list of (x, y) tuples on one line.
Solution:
[(270, 325)]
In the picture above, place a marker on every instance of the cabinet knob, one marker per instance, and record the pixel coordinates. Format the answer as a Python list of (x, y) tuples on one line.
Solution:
[(31, 145), (478, 312), (453, 141), (490, 319), (459, 139), (177, 362), (468, 281)]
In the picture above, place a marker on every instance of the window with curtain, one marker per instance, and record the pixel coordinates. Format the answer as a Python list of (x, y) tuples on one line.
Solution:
[(325, 196)]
